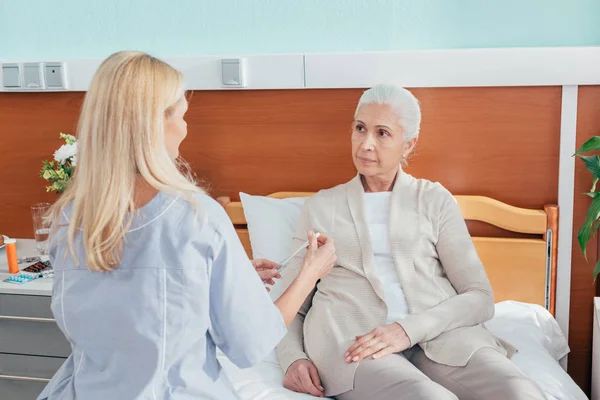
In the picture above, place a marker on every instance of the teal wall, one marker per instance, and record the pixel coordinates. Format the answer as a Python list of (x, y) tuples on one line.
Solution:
[(96, 28)]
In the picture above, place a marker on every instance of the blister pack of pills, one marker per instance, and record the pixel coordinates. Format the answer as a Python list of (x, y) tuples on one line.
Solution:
[(19, 279), (41, 269)]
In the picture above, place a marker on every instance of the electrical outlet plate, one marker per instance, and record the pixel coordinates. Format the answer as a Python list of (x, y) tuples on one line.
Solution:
[(233, 72), (11, 76), (32, 76), (54, 74)]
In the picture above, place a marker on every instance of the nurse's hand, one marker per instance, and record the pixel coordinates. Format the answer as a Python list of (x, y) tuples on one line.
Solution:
[(267, 270), (302, 377), (320, 257)]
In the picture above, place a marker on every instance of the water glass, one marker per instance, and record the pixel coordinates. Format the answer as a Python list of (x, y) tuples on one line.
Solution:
[(41, 227)]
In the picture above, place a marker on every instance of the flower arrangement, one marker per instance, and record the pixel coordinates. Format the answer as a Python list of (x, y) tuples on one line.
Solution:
[(59, 171)]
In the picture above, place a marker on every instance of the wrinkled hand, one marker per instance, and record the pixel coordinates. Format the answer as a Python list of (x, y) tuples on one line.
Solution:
[(302, 377), (380, 342), (267, 270)]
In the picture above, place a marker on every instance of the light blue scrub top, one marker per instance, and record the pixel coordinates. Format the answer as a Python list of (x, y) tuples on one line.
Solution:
[(150, 328)]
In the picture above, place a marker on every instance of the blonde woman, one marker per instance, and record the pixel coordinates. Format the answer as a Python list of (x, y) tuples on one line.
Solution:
[(150, 275)]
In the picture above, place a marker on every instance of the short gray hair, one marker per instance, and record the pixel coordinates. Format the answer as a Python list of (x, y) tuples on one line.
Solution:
[(404, 104)]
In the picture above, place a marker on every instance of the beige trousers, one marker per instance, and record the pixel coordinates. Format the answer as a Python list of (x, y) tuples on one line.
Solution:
[(410, 376)]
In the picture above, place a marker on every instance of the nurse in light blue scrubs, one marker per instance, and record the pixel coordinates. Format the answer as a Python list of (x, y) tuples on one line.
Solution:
[(150, 276)]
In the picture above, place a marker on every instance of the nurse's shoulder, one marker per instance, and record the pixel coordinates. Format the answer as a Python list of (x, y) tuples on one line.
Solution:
[(201, 214)]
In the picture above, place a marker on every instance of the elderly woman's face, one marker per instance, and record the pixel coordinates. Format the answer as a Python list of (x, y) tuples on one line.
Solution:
[(378, 141)]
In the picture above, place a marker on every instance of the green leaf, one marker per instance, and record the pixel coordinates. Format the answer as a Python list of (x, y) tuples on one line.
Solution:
[(596, 270), (593, 165), (595, 225), (590, 194), (585, 232), (594, 182), (592, 144)]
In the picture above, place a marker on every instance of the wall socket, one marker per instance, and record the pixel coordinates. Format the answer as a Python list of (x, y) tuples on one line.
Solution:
[(32, 76), (11, 76), (54, 74)]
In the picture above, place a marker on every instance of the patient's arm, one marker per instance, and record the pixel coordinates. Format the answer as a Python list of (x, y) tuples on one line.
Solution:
[(291, 347), (474, 302)]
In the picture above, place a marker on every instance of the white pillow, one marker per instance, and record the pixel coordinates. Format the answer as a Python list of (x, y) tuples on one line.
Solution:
[(271, 226), (541, 343), (528, 325)]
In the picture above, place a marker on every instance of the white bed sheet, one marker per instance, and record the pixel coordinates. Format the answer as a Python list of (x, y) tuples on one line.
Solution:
[(530, 328)]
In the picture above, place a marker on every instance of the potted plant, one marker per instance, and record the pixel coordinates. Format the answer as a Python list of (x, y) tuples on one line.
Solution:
[(59, 172), (592, 218)]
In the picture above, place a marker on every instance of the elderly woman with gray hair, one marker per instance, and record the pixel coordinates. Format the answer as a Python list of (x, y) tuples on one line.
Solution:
[(400, 315)]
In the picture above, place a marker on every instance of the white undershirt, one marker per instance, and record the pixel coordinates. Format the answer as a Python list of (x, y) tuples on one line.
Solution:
[(377, 213)]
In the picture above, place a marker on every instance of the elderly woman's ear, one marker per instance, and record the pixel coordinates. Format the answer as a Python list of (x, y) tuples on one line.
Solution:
[(409, 147)]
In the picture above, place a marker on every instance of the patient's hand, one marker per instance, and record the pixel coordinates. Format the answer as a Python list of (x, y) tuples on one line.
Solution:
[(267, 270), (378, 343), (302, 377)]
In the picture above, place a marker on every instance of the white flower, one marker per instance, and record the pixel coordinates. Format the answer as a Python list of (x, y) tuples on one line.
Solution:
[(74, 160), (65, 152)]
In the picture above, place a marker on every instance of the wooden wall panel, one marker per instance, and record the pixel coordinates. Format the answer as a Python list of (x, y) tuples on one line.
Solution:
[(30, 124), (582, 287), (500, 142)]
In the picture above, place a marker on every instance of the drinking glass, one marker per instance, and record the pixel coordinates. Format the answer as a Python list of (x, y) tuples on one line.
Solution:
[(41, 227)]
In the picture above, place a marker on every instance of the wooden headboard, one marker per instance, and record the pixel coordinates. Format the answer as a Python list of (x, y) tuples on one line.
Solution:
[(521, 269)]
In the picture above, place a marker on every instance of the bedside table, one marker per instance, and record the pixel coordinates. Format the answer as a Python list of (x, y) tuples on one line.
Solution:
[(32, 347), (596, 352)]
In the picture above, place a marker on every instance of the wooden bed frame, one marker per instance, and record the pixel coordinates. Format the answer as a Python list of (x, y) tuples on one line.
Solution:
[(521, 269)]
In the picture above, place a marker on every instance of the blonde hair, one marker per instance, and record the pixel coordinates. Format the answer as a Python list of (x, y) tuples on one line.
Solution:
[(121, 139)]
